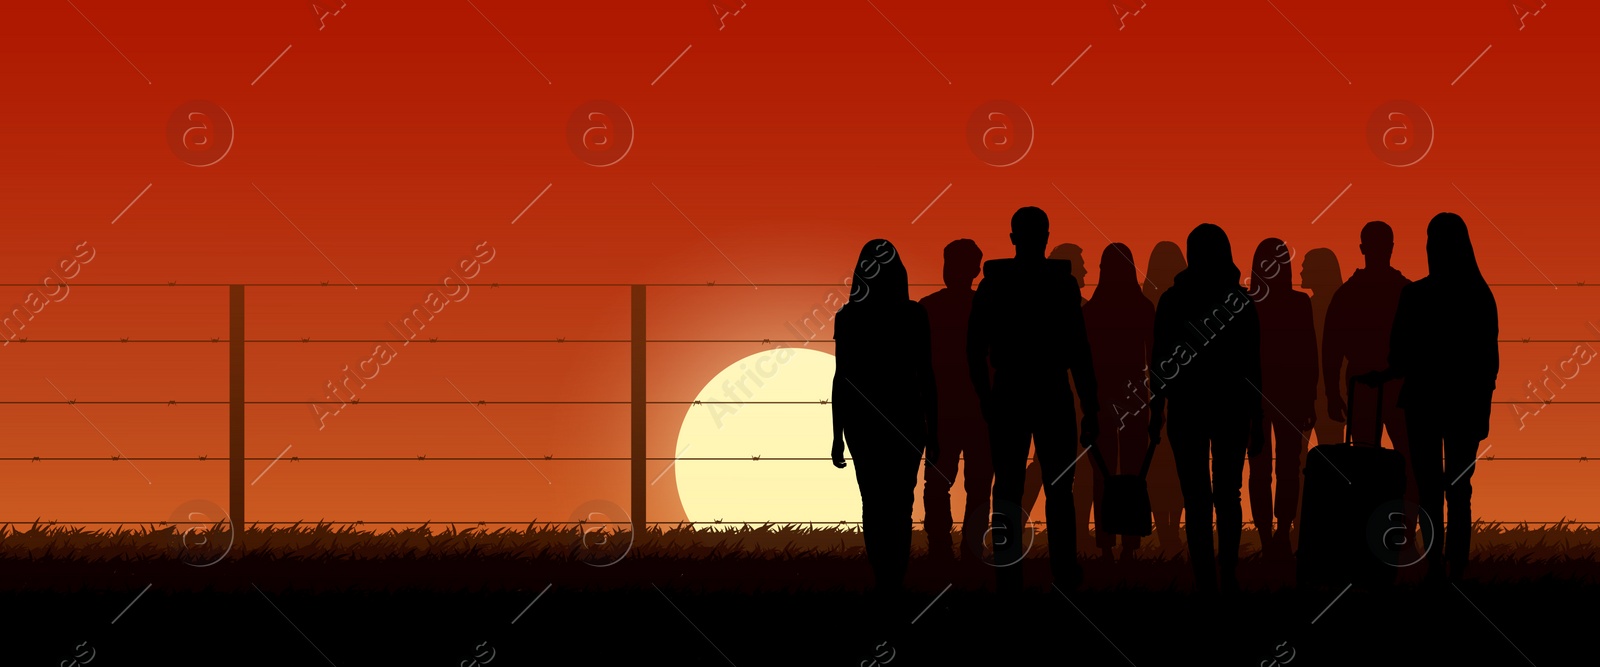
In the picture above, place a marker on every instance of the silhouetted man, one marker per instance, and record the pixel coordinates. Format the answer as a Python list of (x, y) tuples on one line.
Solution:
[(1027, 323), (1085, 478), (1355, 340), (962, 430)]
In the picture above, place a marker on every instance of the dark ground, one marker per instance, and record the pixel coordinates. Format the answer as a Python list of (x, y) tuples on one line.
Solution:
[(803, 610)]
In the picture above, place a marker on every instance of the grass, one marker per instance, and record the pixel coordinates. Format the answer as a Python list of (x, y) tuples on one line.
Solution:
[(317, 594), (1506, 551)]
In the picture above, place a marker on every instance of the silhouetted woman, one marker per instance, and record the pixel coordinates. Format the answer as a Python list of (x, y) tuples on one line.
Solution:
[(1208, 366), (884, 405), (1166, 497), (1120, 323), (1319, 273), (1289, 365), (1443, 344)]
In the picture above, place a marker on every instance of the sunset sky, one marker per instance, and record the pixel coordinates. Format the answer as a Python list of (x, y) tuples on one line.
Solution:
[(767, 146)]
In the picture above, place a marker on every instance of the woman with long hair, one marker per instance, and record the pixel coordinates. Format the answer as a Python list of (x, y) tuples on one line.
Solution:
[(1166, 497), (1444, 344), (1289, 364), (1320, 274), (884, 405), (1120, 322), (1207, 370)]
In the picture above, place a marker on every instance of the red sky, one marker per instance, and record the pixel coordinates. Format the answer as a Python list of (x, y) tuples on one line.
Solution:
[(387, 145)]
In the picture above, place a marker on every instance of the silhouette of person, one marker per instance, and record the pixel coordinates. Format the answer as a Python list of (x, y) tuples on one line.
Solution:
[(1120, 322), (1319, 273), (1027, 323), (1166, 497), (1356, 340), (1288, 388), (1208, 352), (1084, 478), (1444, 344), (962, 430), (885, 408)]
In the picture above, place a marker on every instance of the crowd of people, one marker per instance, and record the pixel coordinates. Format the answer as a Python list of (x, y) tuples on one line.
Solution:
[(1228, 373)]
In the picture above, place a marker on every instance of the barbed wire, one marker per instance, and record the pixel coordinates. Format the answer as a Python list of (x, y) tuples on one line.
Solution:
[(357, 401), (709, 283), (558, 341), (428, 522), (754, 458)]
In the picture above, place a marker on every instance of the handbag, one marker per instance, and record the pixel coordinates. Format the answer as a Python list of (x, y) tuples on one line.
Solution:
[(1124, 509)]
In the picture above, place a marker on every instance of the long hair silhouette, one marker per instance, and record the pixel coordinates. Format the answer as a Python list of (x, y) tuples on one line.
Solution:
[(1166, 497), (884, 406), (1289, 366), (1121, 324), (1166, 260), (879, 277), (1210, 260), (1208, 367), (1444, 344), (1320, 273)]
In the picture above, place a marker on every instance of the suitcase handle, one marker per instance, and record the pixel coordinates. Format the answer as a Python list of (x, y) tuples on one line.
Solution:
[(1349, 416)]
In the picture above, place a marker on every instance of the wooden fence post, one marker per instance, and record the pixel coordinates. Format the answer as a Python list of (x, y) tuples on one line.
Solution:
[(236, 411), (637, 476)]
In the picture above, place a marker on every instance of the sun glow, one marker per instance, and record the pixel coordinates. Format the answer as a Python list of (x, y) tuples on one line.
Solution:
[(753, 485)]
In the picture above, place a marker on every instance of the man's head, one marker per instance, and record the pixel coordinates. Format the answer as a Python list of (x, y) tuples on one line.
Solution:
[(1072, 253), (1377, 244), (1030, 230), (962, 261)]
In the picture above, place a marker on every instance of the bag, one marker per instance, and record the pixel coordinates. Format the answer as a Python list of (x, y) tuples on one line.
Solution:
[(1347, 523), (1125, 507)]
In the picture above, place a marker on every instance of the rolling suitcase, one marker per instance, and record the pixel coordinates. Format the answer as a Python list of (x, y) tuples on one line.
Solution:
[(1350, 491)]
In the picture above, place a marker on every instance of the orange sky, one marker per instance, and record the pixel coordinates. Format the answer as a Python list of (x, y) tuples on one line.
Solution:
[(403, 134)]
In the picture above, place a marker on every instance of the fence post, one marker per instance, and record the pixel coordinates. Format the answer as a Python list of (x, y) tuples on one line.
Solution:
[(636, 478), (236, 411)]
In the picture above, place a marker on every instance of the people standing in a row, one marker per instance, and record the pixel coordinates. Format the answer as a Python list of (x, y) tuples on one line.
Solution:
[(1230, 372)]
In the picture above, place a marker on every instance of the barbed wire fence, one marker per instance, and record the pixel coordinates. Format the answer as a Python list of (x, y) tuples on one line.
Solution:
[(637, 341)]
